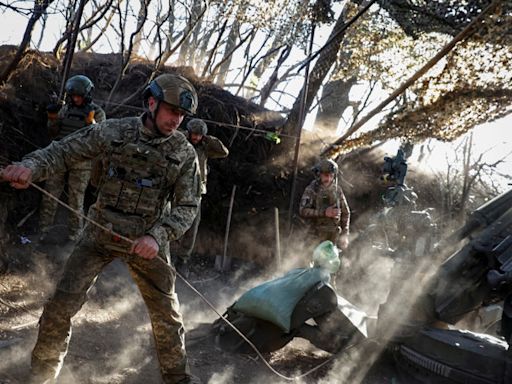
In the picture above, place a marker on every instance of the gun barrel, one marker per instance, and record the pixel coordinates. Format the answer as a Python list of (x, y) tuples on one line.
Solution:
[(485, 215)]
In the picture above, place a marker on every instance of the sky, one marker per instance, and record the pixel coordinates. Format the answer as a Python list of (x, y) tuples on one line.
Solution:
[(495, 139)]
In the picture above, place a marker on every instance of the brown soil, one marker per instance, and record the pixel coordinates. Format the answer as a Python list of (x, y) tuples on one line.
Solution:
[(112, 341)]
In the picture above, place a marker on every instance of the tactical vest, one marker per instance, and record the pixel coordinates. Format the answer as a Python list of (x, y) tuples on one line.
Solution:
[(136, 175), (73, 119), (133, 191), (326, 197)]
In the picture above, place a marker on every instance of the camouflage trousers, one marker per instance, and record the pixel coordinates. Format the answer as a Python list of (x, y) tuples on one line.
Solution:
[(156, 282), (186, 244), (317, 235), (77, 180)]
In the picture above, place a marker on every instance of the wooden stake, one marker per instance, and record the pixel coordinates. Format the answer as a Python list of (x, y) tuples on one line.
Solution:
[(278, 238), (226, 260)]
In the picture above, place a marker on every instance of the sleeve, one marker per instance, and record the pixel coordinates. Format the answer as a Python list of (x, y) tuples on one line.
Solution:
[(215, 149), (186, 202), (61, 155), (307, 208), (55, 121), (99, 115), (345, 213)]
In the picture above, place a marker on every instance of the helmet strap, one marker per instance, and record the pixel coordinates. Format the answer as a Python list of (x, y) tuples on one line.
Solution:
[(152, 115)]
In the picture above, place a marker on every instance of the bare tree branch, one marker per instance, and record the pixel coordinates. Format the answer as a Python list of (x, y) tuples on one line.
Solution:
[(39, 9)]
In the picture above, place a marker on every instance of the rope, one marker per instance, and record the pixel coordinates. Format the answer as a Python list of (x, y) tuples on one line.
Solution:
[(215, 122), (212, 307)]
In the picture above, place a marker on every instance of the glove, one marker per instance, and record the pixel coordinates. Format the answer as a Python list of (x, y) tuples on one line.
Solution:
[(53, 108)]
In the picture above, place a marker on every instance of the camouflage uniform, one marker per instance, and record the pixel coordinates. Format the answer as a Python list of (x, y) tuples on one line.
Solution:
[(315, 200), (209, 148), (142, 172), (69, 119)]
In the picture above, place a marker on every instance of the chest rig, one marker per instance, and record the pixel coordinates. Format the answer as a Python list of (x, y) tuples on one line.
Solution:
[(135, 181), (326, 197), (74, 119)]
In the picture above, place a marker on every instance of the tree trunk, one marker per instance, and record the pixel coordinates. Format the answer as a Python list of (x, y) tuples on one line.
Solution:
[(230, 45), (333, 102), (40, 8), (324, 63), (141, 19), (188, 48)]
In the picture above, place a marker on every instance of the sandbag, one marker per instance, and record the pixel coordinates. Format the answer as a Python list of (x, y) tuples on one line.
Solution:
[(275, 300)]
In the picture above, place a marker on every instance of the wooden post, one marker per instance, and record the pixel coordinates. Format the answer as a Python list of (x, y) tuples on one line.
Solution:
[(278, 238), (225, 263), (302, 118)]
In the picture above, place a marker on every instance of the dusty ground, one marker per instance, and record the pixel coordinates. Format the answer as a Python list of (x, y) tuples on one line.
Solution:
[(112, 341)]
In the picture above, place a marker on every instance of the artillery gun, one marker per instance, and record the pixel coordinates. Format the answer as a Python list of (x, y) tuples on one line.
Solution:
[(426, 347), (476, 275)]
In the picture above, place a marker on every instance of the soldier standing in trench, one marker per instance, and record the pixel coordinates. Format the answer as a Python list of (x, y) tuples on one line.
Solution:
[(324, 206), (146, 163), (207, 147), (78, 112)]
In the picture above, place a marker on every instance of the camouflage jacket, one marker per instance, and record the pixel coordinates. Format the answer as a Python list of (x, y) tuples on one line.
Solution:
[(180, 184), (209, 148), (71, 118), (317, 198)]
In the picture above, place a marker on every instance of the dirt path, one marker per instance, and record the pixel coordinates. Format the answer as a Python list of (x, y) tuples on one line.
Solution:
[(112, 341)]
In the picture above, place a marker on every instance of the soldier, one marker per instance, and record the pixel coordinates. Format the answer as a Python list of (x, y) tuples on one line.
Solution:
[(146, 164), (207, 147), (324, 206), (79, 112)]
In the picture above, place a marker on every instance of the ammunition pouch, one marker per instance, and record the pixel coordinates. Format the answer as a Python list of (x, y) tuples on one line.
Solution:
[(130, 226)]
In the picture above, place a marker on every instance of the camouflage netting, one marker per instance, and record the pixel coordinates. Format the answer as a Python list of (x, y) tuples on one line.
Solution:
[(473, 87), (416, 17)]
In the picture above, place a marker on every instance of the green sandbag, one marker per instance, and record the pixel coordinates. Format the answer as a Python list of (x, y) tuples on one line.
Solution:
[(275, 300)]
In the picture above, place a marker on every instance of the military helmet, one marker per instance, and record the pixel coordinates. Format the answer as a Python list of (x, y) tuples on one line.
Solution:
[(79, 85), (327, 256), (175, 90), (197, 126), (326, 166)]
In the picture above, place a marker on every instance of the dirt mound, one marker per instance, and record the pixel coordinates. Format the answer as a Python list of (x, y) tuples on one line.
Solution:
[(260, 168)]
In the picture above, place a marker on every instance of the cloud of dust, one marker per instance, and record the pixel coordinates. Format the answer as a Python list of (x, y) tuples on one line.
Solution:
[(15, 360), (227, 376), (407, 285)]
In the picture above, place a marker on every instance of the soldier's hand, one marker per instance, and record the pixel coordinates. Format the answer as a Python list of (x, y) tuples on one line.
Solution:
[(333, 212), (146, 247), (53, 107), (18, 176)]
